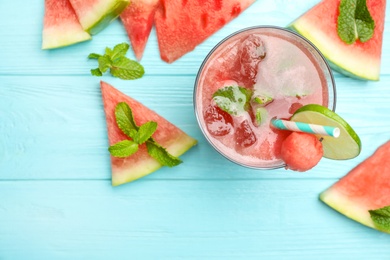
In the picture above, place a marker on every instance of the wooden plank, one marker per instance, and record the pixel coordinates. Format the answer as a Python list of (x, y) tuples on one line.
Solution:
[(73, 60), (178, 219), (54, 127)]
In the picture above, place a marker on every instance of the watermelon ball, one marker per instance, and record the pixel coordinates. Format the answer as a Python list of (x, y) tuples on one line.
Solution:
[(301, 151)]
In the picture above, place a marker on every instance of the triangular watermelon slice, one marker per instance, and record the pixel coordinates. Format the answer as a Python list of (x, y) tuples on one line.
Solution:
[(138, 20), (95, 15), (366, 187), (360, 60), (60, 25), (141, 163), (183, 24)]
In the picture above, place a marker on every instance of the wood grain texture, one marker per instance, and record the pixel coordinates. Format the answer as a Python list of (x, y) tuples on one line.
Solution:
[(178, 220), (56, 198)]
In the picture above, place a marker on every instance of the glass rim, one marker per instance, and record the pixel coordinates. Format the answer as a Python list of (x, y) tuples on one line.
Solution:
[(332, 89)]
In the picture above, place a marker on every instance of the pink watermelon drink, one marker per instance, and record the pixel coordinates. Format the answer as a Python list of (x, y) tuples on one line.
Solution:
[(251, 77)]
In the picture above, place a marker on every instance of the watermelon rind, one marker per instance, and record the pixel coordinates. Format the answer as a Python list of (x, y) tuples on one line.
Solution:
[(183, 144), (62, 36), (366, 187), (360, 60), (100, 14), (140, 164), (61, 26), (341, 203), (339, 60)]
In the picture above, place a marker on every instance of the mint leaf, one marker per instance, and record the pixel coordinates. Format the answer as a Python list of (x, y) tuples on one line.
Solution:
[(161, 154), (125, 68), (145, 132), (365, 25), (96, 72), (354, 21), (119, 50), (108, 52), (381, 218), (233, 99), (260, 115), (94, 56), (104, 63), (123, 148), (263, 100), (125, 120), (115, 60), (346, 21)]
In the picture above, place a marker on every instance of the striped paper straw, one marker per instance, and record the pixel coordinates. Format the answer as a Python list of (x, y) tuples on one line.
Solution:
[(307, 128)]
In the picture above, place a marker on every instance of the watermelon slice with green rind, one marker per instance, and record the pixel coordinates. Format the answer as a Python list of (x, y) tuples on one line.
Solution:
[(358, 60), (138, 20), (183, 24), (366, 187), (141, 163), (61, 26), (95, 15)]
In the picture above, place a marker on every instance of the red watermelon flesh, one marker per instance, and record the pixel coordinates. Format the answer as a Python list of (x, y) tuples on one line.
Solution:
[(366, 187), (359, 60), (138, 20), (61, 26), (183, 24), (141, 163)]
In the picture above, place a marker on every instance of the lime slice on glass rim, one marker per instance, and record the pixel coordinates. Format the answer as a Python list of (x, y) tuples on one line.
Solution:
[(346, 146)]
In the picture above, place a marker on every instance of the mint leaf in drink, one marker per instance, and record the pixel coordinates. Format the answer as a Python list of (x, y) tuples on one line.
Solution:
[(125, 68), (161, 154), (145, 132), (365, 25), (125, 120), (354, 21), (260, 115), (123, 148), (262, 99), (233, 99), (119, 65), (381, 218)]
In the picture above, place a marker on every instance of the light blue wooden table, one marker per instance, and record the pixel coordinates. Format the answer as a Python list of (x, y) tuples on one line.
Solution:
[(56, 199)]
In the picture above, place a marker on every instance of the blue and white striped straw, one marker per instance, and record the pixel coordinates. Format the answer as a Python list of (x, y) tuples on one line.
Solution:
[(307, 128)]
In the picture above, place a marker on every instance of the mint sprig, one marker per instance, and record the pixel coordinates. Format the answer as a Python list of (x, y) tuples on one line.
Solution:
[(139, 135), (116, 61), (381, 218), (354, 21)]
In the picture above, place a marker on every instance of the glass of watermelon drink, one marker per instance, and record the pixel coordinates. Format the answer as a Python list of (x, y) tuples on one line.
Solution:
[(250, 77)]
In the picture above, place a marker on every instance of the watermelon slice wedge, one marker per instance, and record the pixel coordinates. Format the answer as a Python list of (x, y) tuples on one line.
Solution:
[(182, 24), (359, 60), (138, 20), (366, 187), (61, 26), (95, 15), (141, 163)]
